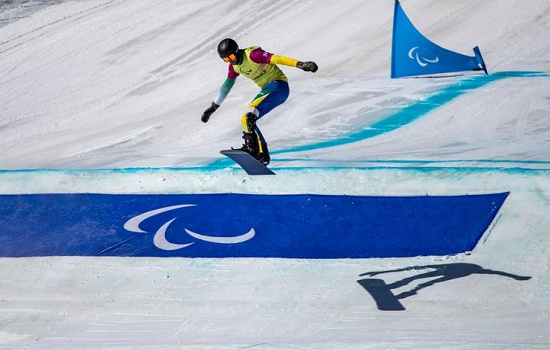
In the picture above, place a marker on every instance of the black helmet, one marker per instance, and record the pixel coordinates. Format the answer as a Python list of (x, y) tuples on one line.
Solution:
[(227, 47)]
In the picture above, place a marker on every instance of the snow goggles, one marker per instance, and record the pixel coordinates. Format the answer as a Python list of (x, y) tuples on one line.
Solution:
[(231, 57)]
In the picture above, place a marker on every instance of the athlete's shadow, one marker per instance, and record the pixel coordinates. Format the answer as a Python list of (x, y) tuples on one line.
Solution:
[(385, 298)]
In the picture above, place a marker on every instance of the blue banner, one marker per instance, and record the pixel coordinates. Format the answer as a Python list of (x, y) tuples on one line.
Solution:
[(242, 225), (414, 54)]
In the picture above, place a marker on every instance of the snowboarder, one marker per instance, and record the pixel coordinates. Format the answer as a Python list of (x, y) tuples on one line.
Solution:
[(261, 67)]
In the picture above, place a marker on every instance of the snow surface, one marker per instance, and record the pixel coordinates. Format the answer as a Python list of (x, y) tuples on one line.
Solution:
[(106, 96)]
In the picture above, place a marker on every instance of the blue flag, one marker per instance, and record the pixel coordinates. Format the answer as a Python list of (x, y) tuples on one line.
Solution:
[(414, 54)]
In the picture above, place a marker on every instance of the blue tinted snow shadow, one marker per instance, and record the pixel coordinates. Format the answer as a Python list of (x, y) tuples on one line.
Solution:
[(241, 225)]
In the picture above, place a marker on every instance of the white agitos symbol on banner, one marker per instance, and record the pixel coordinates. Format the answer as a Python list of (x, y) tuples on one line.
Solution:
[(160, 240), (422, 61)]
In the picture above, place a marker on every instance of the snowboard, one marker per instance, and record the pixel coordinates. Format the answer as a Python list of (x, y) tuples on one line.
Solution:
[(249, 164)]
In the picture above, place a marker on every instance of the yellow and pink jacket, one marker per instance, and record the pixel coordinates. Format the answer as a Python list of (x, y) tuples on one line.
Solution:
[(258, 65)]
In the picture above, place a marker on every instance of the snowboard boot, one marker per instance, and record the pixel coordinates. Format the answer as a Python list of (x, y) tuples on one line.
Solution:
[(263, 154), (250, 144), (250, 121)]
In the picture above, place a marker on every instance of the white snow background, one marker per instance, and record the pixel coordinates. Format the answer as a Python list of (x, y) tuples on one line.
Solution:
[(105, 96)]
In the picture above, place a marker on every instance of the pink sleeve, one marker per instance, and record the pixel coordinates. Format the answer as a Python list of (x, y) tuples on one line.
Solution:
[(260, 56), (231, 74)]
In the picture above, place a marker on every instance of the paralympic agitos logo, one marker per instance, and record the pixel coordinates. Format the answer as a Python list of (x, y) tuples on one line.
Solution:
[(160, 241), (420, 59)]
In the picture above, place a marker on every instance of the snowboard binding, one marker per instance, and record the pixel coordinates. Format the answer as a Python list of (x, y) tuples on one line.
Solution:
[(255, 148)]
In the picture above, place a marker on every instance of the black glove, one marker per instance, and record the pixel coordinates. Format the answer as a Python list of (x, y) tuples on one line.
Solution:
[(206, 115), (308, 66)]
